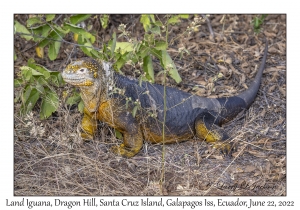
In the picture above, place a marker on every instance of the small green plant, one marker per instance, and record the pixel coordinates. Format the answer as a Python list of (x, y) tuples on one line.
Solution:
[(47, 33), (154, 44), (37, 83), (74, 98), (44, 30), (257, 22)]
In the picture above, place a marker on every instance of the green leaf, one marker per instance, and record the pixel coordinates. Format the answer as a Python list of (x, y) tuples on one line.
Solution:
[(81, 106), (86, 50), (145, 20), (50, 17), (33, 20), (35, 72), (104, 21), (124, 47), (126, 104), (60, 79), (56, 78), (78, 18), (54, 50), (18, 96), (89, 46), (113, 44), (152, 18), (263, 17), (19, 28), (148, 68), (255, 22), (29, 99), (118, 134), (174, 19), (49, 104), (51, 52), (73, 99), (42, 81), (169, 64), (161, 45), (32, 99), (134, 110), (43, 70), (80, 31), (26, 94), (60, 30), (41, 30), (28, 72), (18, 82), (155, 30), (31, 63), (141, 79), (158, 23), (119, 63), (137, 46), (48, 39), (40, 88), (184, 16), (149, 38), (31, 70), (144, 51), (95, 54), (54, 35)]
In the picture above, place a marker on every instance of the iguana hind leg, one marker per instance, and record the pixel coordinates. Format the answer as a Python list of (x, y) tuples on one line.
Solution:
[(207, 130), (132, 144)]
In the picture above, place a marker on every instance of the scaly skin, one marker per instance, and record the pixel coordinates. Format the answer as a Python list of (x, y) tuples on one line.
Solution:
[(105, 95)]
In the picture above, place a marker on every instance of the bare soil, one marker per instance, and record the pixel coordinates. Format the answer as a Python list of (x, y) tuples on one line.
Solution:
[(51, 159)]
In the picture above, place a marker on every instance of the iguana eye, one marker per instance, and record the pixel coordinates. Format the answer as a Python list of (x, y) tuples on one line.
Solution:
[(82, 70)]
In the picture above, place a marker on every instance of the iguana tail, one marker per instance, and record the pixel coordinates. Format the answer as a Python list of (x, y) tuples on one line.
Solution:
[(249, 95), (233, 105)]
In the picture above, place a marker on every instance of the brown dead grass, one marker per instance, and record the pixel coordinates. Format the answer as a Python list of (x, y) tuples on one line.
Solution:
[(51, 159)]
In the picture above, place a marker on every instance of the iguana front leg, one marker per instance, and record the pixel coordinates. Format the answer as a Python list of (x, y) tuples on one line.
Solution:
[(212, 133), (89, 125)]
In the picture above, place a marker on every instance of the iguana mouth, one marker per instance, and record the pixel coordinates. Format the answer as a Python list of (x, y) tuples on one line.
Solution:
[(76, 80)]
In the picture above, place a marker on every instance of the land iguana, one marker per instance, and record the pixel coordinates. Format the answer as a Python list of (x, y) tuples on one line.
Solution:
[(110, 97)]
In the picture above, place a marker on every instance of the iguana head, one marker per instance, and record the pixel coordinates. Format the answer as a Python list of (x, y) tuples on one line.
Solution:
[(82, 72), (92, 77)]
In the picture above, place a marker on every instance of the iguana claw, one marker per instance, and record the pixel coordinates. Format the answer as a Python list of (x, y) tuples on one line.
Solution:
[(86, 137), (122, 150), (227, 148)]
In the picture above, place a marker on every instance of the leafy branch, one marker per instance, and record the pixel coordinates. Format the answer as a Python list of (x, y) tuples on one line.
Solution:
[(47, 33)]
